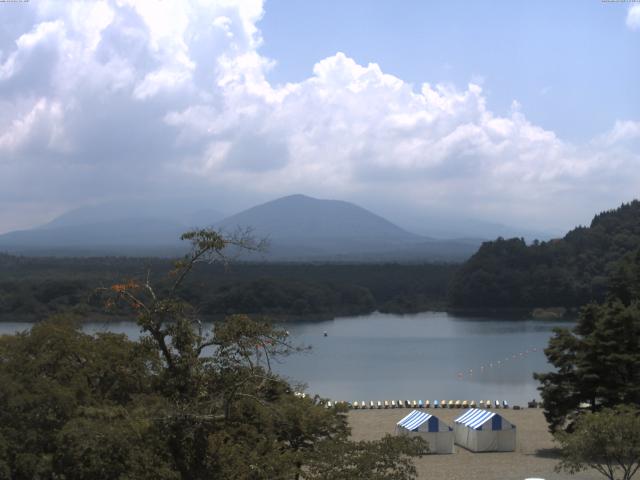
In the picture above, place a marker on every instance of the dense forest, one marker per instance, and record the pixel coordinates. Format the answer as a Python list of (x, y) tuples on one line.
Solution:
[(567, 272), (32, 287)]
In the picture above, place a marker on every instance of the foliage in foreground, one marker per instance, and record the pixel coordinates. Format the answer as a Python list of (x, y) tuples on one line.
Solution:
[(387, 459), (180, 403), (607, 441)]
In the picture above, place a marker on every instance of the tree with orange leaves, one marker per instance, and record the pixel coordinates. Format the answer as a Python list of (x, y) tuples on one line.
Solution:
[(185, 401)]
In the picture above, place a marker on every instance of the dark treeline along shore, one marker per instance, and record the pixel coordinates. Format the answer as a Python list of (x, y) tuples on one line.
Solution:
[(33, 287), (503, 276)]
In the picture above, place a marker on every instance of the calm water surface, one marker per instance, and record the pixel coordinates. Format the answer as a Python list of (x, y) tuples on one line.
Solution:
[(427, 355)]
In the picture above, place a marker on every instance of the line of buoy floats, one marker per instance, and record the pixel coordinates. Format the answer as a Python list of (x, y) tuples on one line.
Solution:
[(497, 363)]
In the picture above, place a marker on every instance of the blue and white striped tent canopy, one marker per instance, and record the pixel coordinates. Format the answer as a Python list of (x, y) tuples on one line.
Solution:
[(415, 419), (484, 431), (475, 418), (438, 434)]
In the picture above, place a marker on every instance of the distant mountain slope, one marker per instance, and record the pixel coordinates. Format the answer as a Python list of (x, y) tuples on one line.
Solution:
[(167, 210), (300, 217), (447, 226), (299, 228), (565, 272), (144, 227), (134, 231)]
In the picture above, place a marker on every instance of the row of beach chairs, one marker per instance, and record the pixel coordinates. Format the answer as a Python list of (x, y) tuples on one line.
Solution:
[(420, 404)]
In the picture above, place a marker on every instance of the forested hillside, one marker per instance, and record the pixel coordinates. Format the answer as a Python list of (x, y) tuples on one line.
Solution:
[(565, 272)]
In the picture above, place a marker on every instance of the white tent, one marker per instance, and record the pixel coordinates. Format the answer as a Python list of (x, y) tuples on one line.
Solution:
[(438, 434), (484, 431)]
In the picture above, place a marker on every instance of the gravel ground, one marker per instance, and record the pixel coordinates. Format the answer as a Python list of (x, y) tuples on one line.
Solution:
[(535, 456)]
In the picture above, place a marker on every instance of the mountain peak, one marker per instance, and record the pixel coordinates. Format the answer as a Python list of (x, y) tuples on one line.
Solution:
[(296, 196), (300, 216), (300, 228)]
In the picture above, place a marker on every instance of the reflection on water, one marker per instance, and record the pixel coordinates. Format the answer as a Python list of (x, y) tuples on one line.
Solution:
[(423, 356)]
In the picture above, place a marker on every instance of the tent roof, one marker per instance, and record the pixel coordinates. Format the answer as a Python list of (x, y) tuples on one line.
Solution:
[(414, 420), (475, 418)]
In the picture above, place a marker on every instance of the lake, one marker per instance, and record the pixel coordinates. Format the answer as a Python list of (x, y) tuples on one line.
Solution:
[(431, 355)]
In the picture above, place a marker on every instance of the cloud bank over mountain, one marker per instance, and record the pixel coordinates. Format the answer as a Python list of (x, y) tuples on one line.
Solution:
[(117, 99)]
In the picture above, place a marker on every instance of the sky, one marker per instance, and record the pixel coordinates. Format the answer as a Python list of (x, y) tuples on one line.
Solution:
[(517, 112)]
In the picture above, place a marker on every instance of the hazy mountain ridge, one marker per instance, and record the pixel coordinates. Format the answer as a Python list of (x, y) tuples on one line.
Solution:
[(168, 211), (299, 228), (299, 216)]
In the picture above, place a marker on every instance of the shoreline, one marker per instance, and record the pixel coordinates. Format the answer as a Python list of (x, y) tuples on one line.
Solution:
[(511, 314)]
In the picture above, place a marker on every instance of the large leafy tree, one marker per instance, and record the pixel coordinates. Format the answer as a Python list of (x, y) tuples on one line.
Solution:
[(597, 362), (607, 441), (387, 459), (183, 402), (56, 382)]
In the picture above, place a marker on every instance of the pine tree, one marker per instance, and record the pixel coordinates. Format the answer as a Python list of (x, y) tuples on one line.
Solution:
[(598, 362)]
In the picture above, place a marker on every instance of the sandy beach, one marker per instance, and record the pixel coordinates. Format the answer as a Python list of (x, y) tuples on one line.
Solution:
[(535, 456)]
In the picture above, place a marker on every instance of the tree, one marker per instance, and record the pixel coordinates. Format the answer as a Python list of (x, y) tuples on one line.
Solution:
[(231, 416), (567, 272), (387, 459), (183, 402), (598, 362), (52, 378), (108, 442), (607, 441)]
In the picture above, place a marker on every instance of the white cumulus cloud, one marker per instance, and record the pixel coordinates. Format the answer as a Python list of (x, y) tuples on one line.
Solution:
[(114, 98), (633, 17)]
